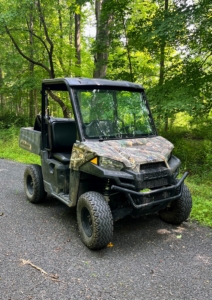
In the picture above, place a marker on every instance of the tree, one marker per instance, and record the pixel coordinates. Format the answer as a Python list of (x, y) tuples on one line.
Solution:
[(77, 38), (104, 17)]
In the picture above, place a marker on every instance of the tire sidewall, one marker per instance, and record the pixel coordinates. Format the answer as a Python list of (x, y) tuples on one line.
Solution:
[(27, 174), (38, 192), (85, 204), (101, 218)]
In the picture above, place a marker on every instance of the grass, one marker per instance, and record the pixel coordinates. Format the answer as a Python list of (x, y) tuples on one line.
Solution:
[(202, 204), (194, 153)]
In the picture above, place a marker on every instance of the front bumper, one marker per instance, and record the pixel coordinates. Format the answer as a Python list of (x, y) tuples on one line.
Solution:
[(154, 197)]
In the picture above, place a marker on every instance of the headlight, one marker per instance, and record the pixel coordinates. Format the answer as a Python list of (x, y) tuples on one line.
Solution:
[(176, 172), (110, 164), (169, 156)]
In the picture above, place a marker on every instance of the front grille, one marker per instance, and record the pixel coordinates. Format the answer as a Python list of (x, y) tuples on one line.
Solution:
[(160, 173), (152, 166), (154, 175), (153, 179), (150, 184)]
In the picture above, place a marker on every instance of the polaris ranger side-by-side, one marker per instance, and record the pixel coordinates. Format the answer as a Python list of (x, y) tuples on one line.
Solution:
[(104, 156)]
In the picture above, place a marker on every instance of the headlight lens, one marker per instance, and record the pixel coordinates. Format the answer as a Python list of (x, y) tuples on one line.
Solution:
[(110, 164), (169, 156), (176, 172)]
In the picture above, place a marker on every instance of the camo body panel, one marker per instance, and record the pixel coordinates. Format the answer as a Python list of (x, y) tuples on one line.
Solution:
[(131, 152)]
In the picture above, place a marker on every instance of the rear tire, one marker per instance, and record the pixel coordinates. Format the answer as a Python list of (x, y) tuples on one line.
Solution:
[(95, 221), (33, 184), (178, 210)]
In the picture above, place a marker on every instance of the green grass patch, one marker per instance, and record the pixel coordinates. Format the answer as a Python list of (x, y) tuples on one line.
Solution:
[(202, 204)]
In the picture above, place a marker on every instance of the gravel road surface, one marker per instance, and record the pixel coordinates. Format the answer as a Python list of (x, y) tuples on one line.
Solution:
[(43, 258)]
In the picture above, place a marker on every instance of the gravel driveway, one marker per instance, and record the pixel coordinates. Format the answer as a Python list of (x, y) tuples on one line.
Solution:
[(43, 258)]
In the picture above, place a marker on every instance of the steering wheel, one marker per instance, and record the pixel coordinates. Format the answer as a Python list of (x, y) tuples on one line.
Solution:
[(93, 129)]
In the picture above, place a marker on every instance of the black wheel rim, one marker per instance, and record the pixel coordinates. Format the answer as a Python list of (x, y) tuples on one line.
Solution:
[(170, 207), (30, 186), (86, 222)]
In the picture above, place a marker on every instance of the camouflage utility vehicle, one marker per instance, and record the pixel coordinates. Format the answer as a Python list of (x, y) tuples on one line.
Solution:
[(104, 156)]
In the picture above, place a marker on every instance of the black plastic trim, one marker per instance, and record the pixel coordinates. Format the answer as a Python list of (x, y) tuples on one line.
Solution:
[(156, 191), (96, 170)]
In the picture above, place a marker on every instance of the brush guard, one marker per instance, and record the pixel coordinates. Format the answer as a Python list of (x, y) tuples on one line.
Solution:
[(175, 190)]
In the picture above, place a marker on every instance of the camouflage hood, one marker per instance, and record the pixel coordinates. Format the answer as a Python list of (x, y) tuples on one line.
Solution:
[(131, 152)]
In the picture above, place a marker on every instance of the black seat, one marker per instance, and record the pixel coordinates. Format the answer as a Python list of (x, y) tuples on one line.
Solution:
[(63, 136)]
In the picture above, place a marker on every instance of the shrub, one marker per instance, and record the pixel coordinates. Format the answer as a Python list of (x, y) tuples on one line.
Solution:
[(8, 120), (194, 148)]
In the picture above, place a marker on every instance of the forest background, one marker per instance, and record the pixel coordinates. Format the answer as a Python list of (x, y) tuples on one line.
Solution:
[(166, 45)]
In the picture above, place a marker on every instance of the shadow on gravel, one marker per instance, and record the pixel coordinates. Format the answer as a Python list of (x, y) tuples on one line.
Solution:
[(132, 236), (129, 234)]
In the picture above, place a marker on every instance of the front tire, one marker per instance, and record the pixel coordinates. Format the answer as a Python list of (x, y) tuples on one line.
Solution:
[(95, 221), (178, 210), (33, 184)]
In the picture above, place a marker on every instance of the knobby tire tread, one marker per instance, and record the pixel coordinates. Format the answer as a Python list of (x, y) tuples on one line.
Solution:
[(181, 210), (101, 217)]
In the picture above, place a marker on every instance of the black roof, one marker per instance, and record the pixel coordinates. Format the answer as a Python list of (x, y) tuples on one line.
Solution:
[(91, 82)]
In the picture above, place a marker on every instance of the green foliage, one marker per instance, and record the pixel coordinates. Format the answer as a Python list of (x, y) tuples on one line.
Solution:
[(137, 29), (8, 120), (140, 34), (189, 91), (39, 38), (202, 204), (193, 145)]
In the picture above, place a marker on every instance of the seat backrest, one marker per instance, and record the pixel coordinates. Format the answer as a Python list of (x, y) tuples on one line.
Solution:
[(63, 134)]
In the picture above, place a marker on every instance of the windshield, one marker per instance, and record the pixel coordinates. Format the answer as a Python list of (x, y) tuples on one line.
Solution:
[(108, 114)]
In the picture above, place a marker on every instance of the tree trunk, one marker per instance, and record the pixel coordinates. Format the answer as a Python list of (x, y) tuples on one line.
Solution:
[(60, 52), (128, 50), (77, 43), (162, 63), (37, 111), (50, 50), (162, 48), (103, 20), (71, 22), (1, 95), (61, 103), (31, 69)]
